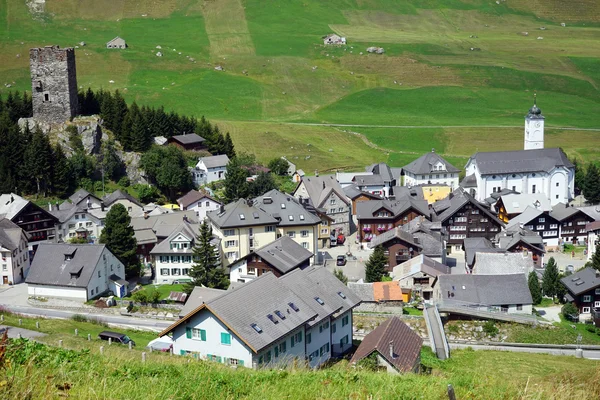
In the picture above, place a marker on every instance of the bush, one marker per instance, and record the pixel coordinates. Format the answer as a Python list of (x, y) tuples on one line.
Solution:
[(79, 318), (590, 328), (147, 193), (98, 186), (570, 311), (147, 295), (489, 327), (124, 182)]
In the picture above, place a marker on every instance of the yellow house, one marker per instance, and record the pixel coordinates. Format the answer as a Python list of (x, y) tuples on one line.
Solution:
[(435, 192)]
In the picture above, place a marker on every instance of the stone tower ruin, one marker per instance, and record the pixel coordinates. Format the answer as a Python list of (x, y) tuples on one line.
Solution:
[(53, 84)]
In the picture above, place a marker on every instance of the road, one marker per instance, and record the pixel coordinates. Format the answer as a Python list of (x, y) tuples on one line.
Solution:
[(115, 320), (589, 354)]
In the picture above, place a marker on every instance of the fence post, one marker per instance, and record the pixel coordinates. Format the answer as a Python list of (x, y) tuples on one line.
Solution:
[(2, 318), (130, 345), (150, 349), (451, 395), (60, 342), (171, 351), (144, 356), (20, 321), (37, 324), (109, 341), (76, 332), (101, 350), (20, 337), (89, 337)]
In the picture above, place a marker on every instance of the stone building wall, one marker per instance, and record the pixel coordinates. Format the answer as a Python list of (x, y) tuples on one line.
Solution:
[(53, 84)]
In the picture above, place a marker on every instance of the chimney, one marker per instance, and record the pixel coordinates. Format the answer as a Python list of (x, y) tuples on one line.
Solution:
[(49, 206), (12, 198), (146, 214), (392, 349), (89, 203), (316, 172), (221, 209), (102, 206), (597, 274), (185, 219), (57, 206)]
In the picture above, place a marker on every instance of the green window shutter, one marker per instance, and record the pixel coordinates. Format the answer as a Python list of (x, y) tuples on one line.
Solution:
[(219, 359), (188, 333), (299, 337), (292, 342), (203, 335), (225, 338), (276, 351), (308, 338), (182, 352), (241, 362)]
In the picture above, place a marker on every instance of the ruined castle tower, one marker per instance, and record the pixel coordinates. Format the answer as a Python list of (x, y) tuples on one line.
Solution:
[(53, 83)]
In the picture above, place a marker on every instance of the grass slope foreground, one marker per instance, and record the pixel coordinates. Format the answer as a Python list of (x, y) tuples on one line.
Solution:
[(259, 65)]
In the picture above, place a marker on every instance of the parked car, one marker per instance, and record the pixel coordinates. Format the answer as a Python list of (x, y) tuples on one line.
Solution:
[(115, 337), (341, 260)]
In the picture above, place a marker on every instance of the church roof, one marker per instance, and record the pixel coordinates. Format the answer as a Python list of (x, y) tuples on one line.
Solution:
[(520, 161), (534, 111)]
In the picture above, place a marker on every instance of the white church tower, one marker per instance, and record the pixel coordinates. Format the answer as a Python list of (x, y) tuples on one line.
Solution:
[(534, 128)]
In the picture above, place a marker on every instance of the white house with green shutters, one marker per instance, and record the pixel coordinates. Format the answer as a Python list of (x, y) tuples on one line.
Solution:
[(243, 327)]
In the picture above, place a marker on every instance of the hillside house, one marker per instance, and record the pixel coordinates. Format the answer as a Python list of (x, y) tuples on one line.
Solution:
[(76, 271), (188, 141), (356, 195), (199, 202), (306, 318), (131, 204), (39, 224), (583, 289), (378, 216), (332, 38), (419, 274), (210, 169), (572, 223), (503, 293), (593, 238), (13, 249), (540, 222), (522, 240), (116, 43), (429, 169), (278, 257), (511, 205), (396, 345), (399, 246)]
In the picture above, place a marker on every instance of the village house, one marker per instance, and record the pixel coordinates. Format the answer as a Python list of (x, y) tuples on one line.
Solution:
[(74, 221), (398, 246), (572, 223), (14, 252), (501, 263), (131, 204), (432, 192), (188, 141), (76, 271), (461, 216), (278, 257), (306, 318), (511, 205), (396, 346), (504, 293), (386, 297), (522, 240), (546, 226), (419, 274), (332, 38), (583, 289), (210, 169), (38, 223), (371, 184), (593, 238), (377, 216), (356, 195), (429, 236), (390, 176), (293, 219), (116, 43), (324, 192), (429, 169), (199, 202)]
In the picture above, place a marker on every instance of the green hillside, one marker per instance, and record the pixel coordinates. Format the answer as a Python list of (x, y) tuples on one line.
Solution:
[(447, 64)]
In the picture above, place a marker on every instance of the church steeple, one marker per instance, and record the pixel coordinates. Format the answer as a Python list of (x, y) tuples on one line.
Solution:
[(534, 127)]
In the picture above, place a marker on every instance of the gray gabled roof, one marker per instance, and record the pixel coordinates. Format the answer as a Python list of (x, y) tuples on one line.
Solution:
[(188, 230), (319, 188), (469, 181), (395, 233), (581, 281), (561, 211), (592, 211), (240, 213), (193, 196), (11, 205), (368, 209), (528, 215), (383, 170), (286, 209), (50, 267), (10, 234), (199, 296), (352, 192), (367, 180), (517, 203), (424, 164), (120, 195), (420, 263), (220, 160), (478, 245), (364, 291), (494, 290), (284, 254), (188, 138), (515, 234), (81, 195), (520, 161)]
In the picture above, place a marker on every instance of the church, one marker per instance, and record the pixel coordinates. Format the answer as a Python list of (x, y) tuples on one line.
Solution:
[(532, 170)]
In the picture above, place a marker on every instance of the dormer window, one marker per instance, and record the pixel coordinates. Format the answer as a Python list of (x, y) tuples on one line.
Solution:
[(282, 205), (242, 217)]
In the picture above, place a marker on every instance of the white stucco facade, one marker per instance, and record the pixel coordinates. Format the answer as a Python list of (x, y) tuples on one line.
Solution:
[(238, 242), (202, 206), (341, 333), (204, 175), (175, 263), (439, 175), (14, 264), (93, 225), (318, 343)]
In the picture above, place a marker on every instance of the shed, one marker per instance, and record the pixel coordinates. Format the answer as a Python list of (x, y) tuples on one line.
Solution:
[(116, 43)]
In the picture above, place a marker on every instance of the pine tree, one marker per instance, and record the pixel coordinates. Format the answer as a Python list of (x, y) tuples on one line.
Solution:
[(579, 175), (340, 275), (107, 112), (206, 270), (229, 148), (111, 162), (375, 266), (119, 237), (595, 261), (62, 178), (550, 278), (119, 112), (235, 183), (38, 160), (140, 138), (591, 190), (534, 288)]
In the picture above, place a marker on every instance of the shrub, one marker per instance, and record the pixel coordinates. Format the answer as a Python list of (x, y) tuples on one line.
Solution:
[(489, 327), (569, 311), (147, 295), (590, 328), (79, 318), (369, 363), (124, 182)]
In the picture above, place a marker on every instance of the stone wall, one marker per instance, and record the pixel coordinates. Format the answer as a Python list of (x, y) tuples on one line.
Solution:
[(53, 84)]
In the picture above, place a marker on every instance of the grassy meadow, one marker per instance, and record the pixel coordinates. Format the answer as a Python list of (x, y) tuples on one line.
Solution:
[(457, 75)]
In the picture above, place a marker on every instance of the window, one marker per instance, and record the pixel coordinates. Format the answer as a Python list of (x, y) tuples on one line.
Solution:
[(504, 308), (276, 351), (226, 339), (585, 310), (230, 243), (557, 184), (283, 347), (175, 259), (587, 298), (292, 234), (229, 232), (305, 245), (197, 334), (175, 271), (304, 233), (541, 220), (99, 274), (519, 307), (332, 202), (164, 271), (345, 320), (597, 304), (308, 338), (185, 271), (532, 188), (333, 328), (344, 340), (269, 228), (597, 291)]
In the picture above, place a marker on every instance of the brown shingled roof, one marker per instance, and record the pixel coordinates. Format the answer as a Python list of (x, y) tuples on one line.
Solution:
[(405, 345), (387, 291)]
